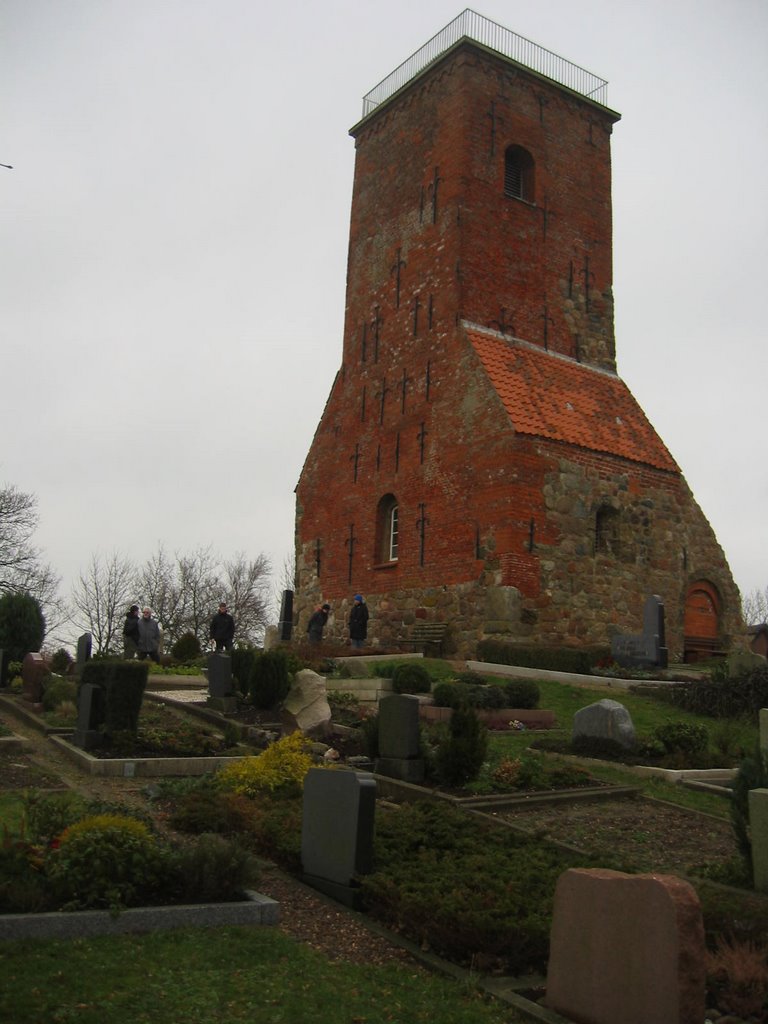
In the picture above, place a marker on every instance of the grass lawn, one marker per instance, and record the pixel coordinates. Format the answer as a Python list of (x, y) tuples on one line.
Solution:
[(222, 975)]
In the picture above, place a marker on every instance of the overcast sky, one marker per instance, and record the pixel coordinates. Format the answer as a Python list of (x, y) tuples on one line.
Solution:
[(174, 242)]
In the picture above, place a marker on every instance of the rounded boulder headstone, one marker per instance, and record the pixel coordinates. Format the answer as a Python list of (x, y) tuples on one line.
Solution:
[(605, 719)]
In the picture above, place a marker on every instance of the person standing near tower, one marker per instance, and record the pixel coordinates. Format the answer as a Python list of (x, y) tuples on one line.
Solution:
[(316, 624), (223, 628), (358, 622)]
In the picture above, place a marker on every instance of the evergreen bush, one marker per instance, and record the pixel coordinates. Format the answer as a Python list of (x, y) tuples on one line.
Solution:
[(186, 648), (279, 769), (269, 682), (212, 868), (57, 691), (743, 695), (22, 626), (752, 774), (61, 662), (557, 659), (243, 659), (459, 757), (409, 677), (684, 737), (522, 693)]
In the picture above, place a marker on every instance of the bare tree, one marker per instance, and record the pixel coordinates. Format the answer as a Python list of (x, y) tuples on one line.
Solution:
[(21, 567), (200, 587), (285, 580), (100, 598), (754, 606), (157, 582), (246, 588)]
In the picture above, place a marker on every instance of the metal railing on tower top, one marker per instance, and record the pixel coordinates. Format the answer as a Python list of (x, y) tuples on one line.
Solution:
[(471, 25)]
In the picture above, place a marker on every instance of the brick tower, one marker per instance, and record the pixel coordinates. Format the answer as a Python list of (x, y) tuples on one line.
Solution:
[(478, 461)]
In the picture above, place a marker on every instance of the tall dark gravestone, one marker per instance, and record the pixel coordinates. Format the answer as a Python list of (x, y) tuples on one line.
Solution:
[(399, 756), (90, 715), (337, 830), (647, 649), (84, 648), (285, 625)]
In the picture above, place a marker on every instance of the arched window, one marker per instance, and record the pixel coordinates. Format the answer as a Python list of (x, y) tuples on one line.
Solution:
[(518, 173), (387, 529)]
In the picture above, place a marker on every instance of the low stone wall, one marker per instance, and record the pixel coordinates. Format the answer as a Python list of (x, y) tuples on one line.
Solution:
[(254, 909)]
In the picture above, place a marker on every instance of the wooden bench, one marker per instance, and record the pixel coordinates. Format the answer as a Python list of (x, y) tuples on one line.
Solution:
[(429, 636)]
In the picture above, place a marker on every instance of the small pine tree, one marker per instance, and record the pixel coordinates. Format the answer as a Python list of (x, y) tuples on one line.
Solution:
[(460, 756), (269, 683), (22, 626)]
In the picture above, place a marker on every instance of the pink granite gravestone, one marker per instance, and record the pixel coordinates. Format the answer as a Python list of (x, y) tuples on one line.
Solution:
[(33, 671), (626, 949)]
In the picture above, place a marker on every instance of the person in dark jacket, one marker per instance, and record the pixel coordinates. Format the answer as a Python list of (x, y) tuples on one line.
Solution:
[(358, 622), (317, 622), (131, 632), (149, 636), (223, 628)]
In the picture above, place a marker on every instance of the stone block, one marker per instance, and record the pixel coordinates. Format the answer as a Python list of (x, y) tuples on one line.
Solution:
[(33, 671), (626, 949), (306, 707), (220, 683)]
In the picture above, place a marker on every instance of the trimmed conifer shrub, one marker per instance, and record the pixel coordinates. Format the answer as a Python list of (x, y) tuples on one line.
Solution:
[(411, 678), (459, 757), (269, 683)]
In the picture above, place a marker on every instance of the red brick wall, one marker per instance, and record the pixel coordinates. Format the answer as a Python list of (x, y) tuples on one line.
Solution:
[(501, 510)]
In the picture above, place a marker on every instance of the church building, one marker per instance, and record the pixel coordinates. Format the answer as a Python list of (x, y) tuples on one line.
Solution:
[(479, 462)]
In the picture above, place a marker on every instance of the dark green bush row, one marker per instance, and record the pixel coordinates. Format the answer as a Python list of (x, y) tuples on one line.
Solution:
[(460, 755), (464, 888), (557, 659), (729, 698), (515, 693), (122, 684)]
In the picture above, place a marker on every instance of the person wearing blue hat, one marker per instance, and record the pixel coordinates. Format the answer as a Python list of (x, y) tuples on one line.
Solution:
[(358, 622)]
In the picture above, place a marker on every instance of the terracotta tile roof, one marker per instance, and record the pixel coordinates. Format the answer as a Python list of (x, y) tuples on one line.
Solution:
[(550, 396)]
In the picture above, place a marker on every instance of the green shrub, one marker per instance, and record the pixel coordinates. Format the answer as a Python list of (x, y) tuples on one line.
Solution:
[(61, 662), (464, 889), (107, 860), (685, 737), (471, 678), (409, 677), (186, 648), (460, 756), (752, 774), (279, 769), (557, 659), (47, 814), (23, 886), (450, 695), (57, 691), (730, 698), (243, 659), (269, 682), (521, 693), (212, 868), (123, 684), (208, 810), (22, 626)]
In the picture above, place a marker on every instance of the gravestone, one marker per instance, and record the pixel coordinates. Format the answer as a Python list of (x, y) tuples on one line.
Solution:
[(33, 671), (607, 720), (90, 715), (399, 738), (647, 649), (285, 623), (626, 949), (84, 647), (758, 828), (339, 808), (221, 690)]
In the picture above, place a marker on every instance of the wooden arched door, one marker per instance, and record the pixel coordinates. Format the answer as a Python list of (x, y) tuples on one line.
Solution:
[(702, 621)]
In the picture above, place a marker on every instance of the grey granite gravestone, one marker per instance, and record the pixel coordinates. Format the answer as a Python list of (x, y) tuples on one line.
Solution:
[(605, 719), (285, 623), (84, 647), (399, 738), (647, 649), (90, 715), (339, 808), (221, 690), (33, 671)]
